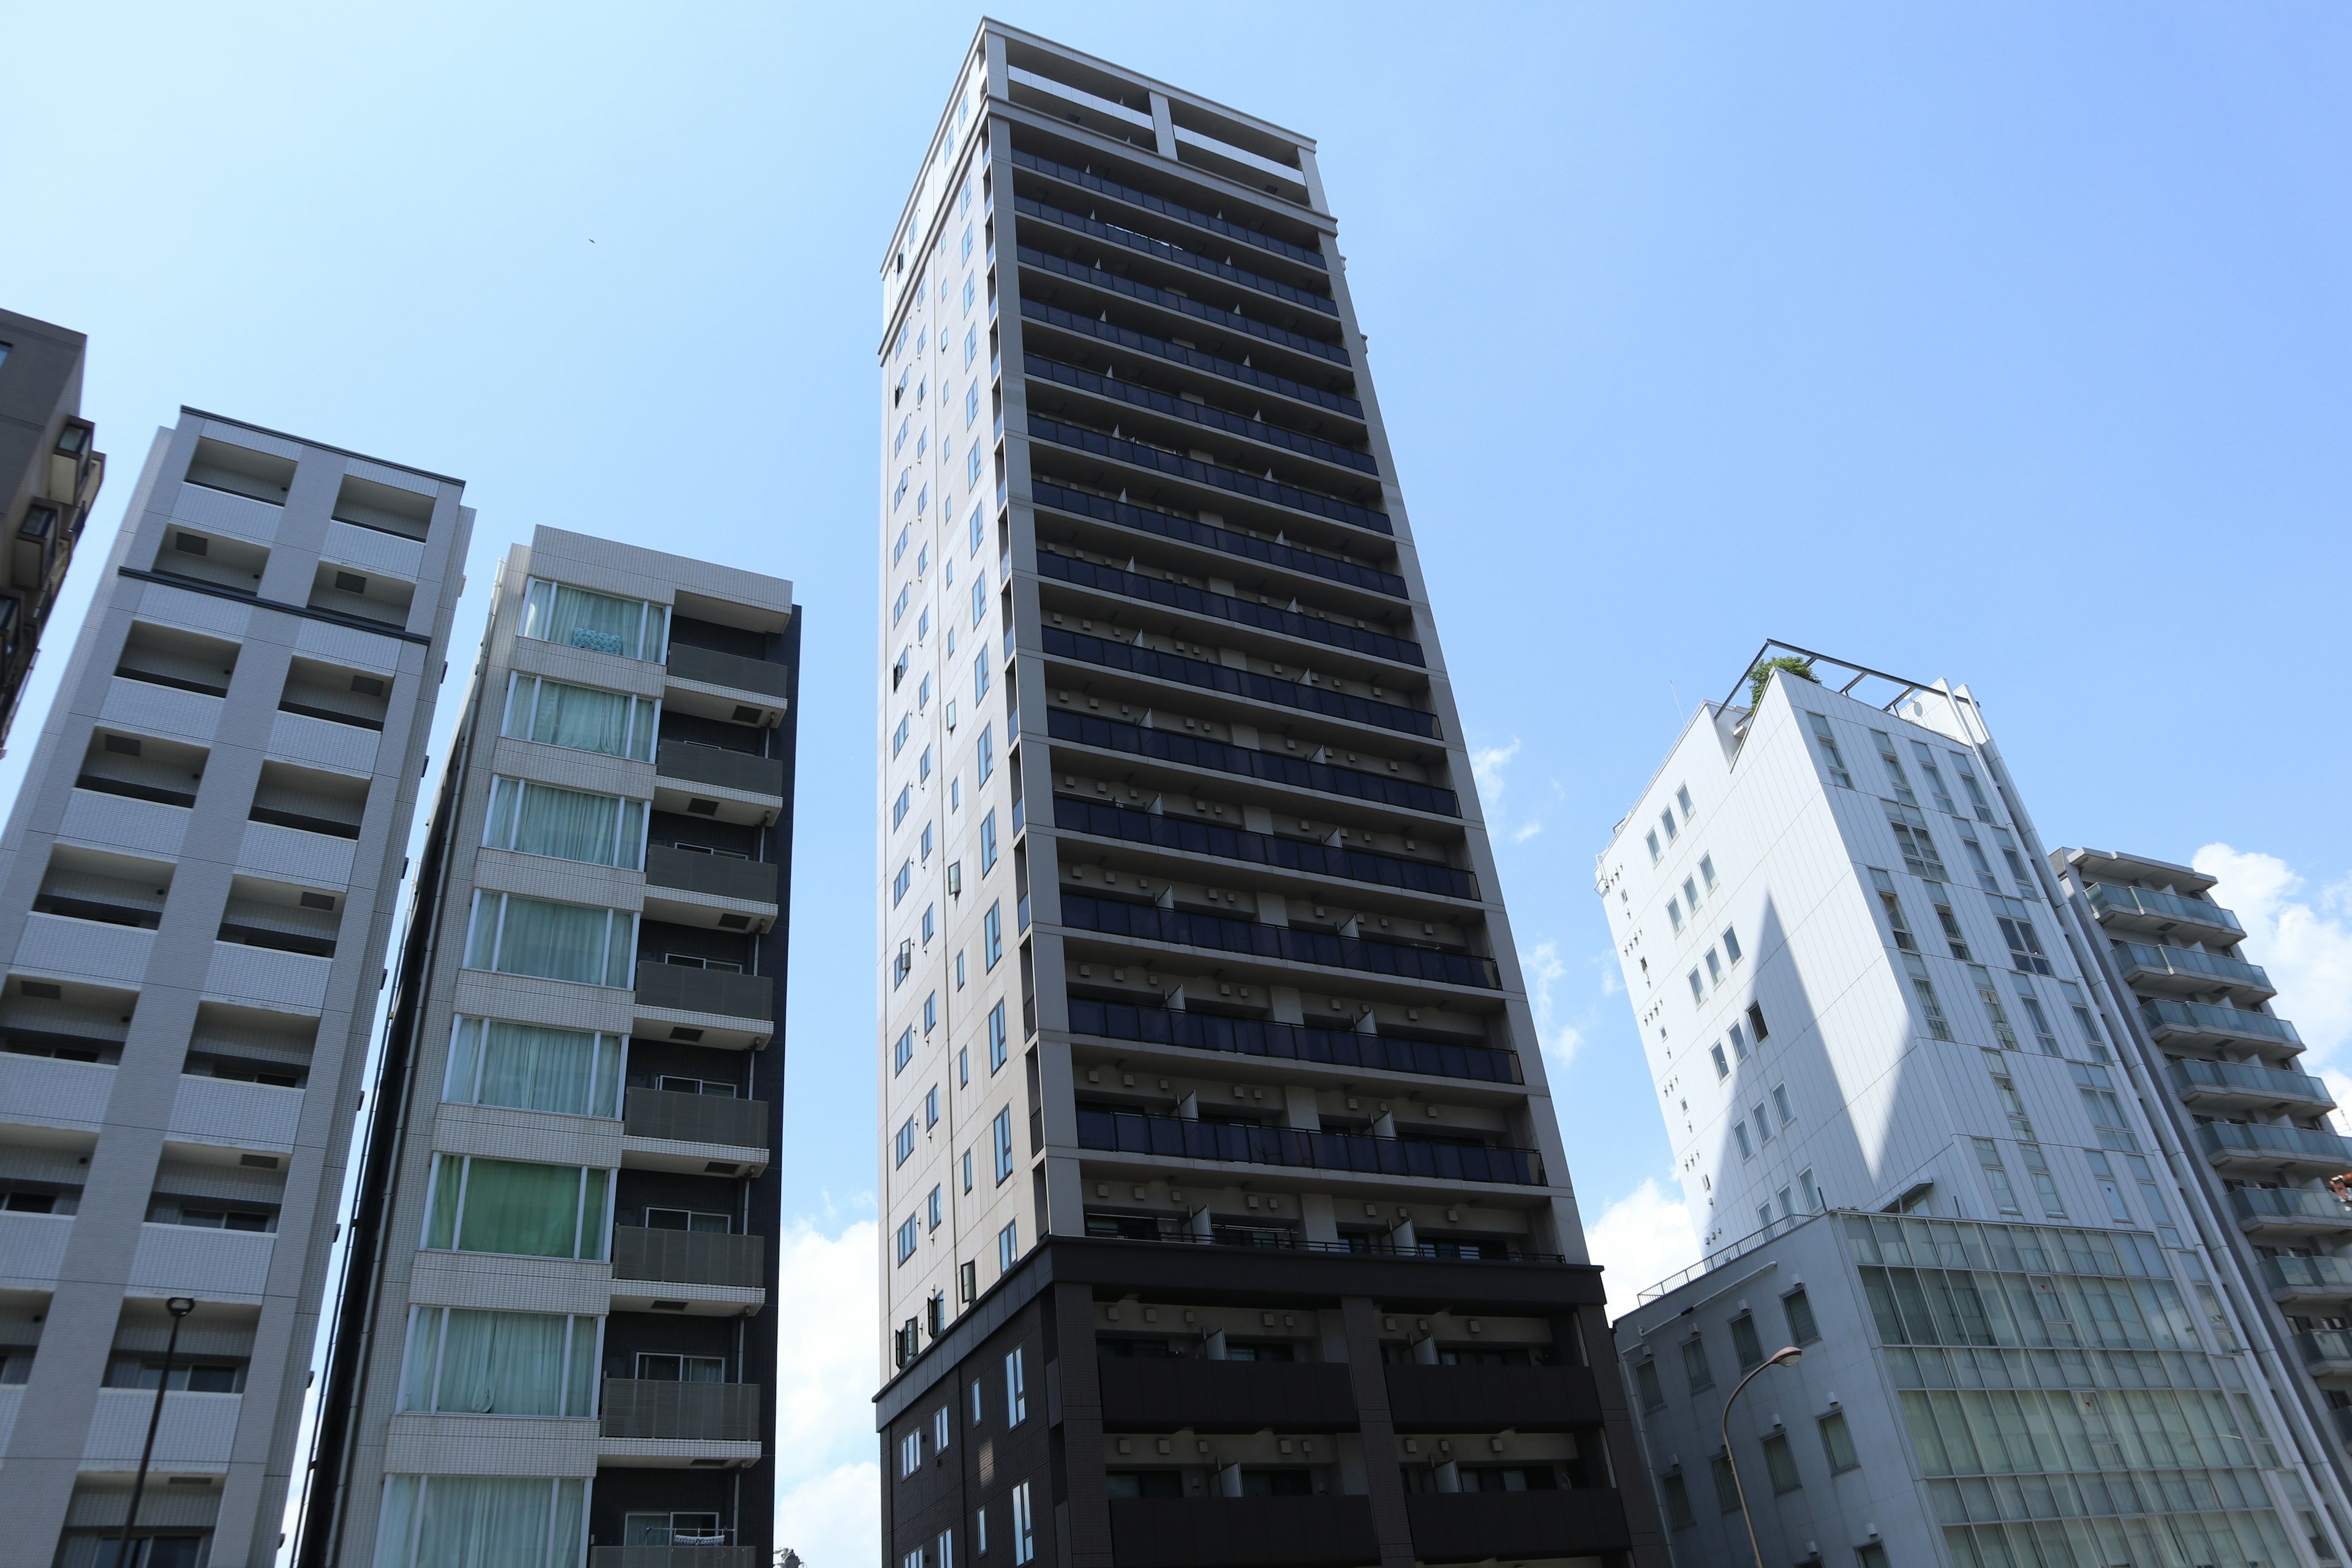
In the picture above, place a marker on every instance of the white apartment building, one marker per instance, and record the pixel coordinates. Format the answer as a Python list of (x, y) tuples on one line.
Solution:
[(1894, 1078)]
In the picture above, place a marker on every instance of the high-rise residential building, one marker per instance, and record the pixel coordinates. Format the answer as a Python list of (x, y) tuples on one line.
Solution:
[(1913, 1131), (197, 893), (554, 1333), (51, 466), (1225, 1217)]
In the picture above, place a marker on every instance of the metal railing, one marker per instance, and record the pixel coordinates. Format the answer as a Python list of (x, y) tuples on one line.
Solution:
[(1151, 202), (2189, 1077), (2289, 1204), (1247, 684), (1219, 934), (1289, 1042), (1177, 353), (1158, 460), (2180, 961), (2160, 1014), (2333, 1275), (1225, 607), (2113, 898), (1327, 778), (688, 1256), (1168, 525), (1174, 1137), (1104, 820), (1231, 321), (696, 1118), (1268, 1240), (1729, 1252), (683, 1412), (1177, 255), (1040, 368), (2324, 1346), (2300, 1143)]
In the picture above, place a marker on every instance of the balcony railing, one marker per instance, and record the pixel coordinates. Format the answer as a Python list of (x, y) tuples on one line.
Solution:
[(1111, 282), (1290, 1042), (2327, 1348), (2110, 898), (1186, 751), (1295, 695), (1175, 1138), (1218, 934), (2299, 1144), (681, 988), (708, 666), (1106, 821), (1176, 256), (1225, 607), (1136, 394), (1149, 203), (1231, 481), (2192, 1079), (2162, 1015), (2309, 1276), (1261, 1239), (722, 875), (1177, 353), (715, 766), (686, 1412), (2138, 958), (688, 1257), (2289, 1206), (696, 1118), (678, 1557), (1185, 530)]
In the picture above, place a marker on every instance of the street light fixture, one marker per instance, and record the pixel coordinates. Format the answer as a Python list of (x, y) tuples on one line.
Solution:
[(179, 1307), (1778, 1358)]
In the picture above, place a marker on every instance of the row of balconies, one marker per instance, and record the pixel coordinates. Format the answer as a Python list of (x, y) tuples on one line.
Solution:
[(1451, 1159), (2309, 1151), (1148, 1396), (1326, 1531), (1224, 549)]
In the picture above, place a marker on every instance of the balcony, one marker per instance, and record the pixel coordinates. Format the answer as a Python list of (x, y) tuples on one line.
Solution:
[(2228, 1144), (731, 671), (1225, 1395), (2326, 1352), (1135, 394), (682, 1412), (1324, 1532), (229, 1266), (225, 1113), (51, 1091), (2202, 1023), (1468, 1527), (2242, 1083), (720, 993), (687, 762), (719, 876), (1182, 305), (1176, 256), (1471, 1398), (1207, 536), (686, 1556), (1307, 856), (1147, 922), (1177, 1138), (1088, 324), (2181, 969), (1296, 695), (1149, 203), (690, 1258), (2296, 1279), (2279, 1212), (1210, 476), (1244, 761), (195, 1434), (696, 1118), (1289, 1042), (2144, 908), (32, 1249), (1225, 607)]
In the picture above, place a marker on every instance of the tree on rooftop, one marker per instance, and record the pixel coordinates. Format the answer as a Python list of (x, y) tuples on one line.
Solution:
[(1788, 663)]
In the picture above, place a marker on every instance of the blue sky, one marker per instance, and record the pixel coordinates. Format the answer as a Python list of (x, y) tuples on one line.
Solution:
[(2006, 343)]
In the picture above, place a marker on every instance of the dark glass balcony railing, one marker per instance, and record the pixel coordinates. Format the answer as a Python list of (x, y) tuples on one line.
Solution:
[(696, 1118), (2309, 1276), (2294, 1144), (708, 666), (1183, 529), (1148, 923), (720, 876), (1231, 480), (679, 1556), (2193, 1078), (1111, 282), (1106, 821), (1176, 256), (2138, 958), (1225, 607), (2203, 1017), (2109, 898), (2325, 1347), (1186, 750), (1290, 1042), (688, 1257), (1296, 695), (1037, 367), (682, 1412), (1177, 353), (683, 988), (694, 764), (2290, 1206), (1149, 203), (1174, 1138)]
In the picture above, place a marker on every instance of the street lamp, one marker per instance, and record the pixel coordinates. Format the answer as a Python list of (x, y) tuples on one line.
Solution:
[(1778, 1358), (179, 1307)]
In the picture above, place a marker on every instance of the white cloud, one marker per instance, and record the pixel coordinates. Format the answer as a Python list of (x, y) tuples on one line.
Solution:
[(1486, 765), (828, 1485), (1541, 967), (2305, 942), (834, 1520), (1526, 831), (1640, 1239)]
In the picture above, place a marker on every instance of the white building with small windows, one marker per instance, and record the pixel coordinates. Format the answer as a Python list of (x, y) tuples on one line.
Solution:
[(1901, 1095)]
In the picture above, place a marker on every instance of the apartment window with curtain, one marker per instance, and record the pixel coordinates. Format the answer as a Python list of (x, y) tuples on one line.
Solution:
[(583, 943), (533, 818), (533, 1067), (602, 623), (580, 718), (468, 1363), (438, 1521), (517, 1208)]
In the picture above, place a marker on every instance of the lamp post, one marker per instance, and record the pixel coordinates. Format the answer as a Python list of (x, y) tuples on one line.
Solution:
[(1778, 1358), (179, 1307)]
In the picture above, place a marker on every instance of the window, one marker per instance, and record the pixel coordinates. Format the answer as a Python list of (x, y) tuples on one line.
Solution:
[(967, 1169), (1674, 915), (924, 852), (995, 1038), (988, 843), (1996, 1174), (963, 1068), (1780, 1103), (1746, 1345), (1798, 1308), (1016, 1387), (2035, 1018), (903, 1052), (1677, 1498), (991, 936), (1653, 837), (901, 882), (1727, 1483), (1870, 1554), (971, 292), (600, 623), (978, 593), (532, 1067), (515, 1208), (2014, 861), (2097, 1088), (1706, 874), (1731, 944), (1008, 1248), (1991, 999), (938, 1208), (1000, 1142), (1024, 1544), (931, 1012), (910, 1459), (566, 824), (1894, 908), (1919, 857), (2084, 1021), (900, 806), (899, 735), (1985, 879), (940, 1427), (959, 970), (1667, 821), (907, 1239), (1695, 1370), (2024, 947), (1895, 777), (1698, 991), (903, 1146), (980, 676), (1739, 1132), (931, 923), (1756, 1023), (524, 1522), (1739, 1043), (931, 1108), (1926, 760), (1976, 791), (1925, 989), (1647, 1384), (979, 1516), (1780, 1463), (580, 718), (1952, 937), (1763, 1124), (898, 606), (578, 942), (2144, 1176), (971, 474), (1722, 1067), (1828, 743), (986, 751), (499, 1364), (1690, 894), (2045, 1188), (1682, 798), (1813, 1194), (1837, 1443)]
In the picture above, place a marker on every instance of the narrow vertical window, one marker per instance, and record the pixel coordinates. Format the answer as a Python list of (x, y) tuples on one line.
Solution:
[(1828, 743), (1996, 1175)]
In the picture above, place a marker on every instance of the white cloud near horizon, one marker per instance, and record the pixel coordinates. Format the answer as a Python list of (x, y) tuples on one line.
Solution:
[(1640, 1239), (1542, 968), (2304, 941), (827, 1321)]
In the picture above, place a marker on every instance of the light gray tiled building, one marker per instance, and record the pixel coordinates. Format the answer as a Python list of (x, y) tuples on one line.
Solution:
[(50, 471), (196, 892)]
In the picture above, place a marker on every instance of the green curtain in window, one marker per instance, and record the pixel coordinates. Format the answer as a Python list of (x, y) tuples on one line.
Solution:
[(526, 1209), (503, 1364), (480, 1521), (580, 717), (551, 941), (535, 1068), (567, 824)]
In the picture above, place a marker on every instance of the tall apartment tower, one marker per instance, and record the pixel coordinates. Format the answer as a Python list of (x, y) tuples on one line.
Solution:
[(196, 892), (51, 466), (1909, 1122), (1226, 1219), (554, 1333)]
